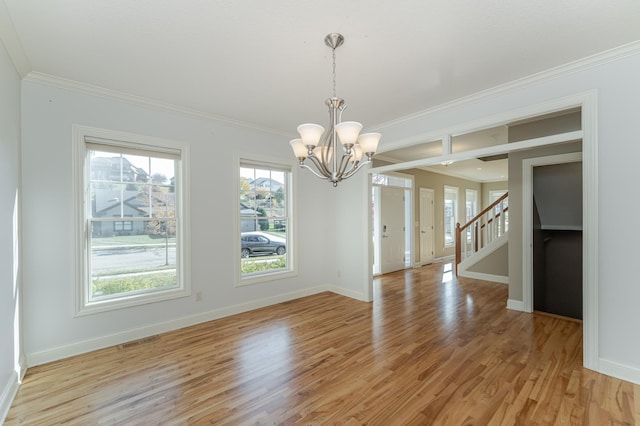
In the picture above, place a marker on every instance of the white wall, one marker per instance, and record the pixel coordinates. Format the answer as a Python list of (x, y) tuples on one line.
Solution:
[(51, 331), (9, 221), (351, 252), (618, 90)]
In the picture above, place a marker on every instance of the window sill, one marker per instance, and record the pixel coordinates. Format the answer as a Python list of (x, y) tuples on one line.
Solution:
[(265, 277), (95, 307)]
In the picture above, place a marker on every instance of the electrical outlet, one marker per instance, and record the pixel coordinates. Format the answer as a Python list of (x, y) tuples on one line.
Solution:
[(199, 296)]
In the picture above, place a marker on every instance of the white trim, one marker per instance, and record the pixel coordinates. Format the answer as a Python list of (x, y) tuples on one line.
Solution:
[(11, 41), (60, 352), (8, 394), (484, 152), (365, 200), (113, 95), (621, 371), (515, 305), (500, 119), (482, 276), (561, 227), (579, 65), (83, 306), (590, 256), (348, 293)]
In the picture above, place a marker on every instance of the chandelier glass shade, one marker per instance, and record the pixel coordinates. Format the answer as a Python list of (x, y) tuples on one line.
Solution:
[(331, 160)]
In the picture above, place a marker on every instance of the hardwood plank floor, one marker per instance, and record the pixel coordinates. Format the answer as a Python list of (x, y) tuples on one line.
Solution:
[(430, 349)]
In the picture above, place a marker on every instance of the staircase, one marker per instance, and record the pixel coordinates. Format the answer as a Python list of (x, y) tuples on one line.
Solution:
[(483, 237)]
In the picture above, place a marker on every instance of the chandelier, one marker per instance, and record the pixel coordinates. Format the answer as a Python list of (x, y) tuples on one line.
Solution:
[(320, 146)]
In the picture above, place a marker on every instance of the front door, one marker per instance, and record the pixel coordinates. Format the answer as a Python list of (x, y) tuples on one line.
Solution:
[(392, 229)]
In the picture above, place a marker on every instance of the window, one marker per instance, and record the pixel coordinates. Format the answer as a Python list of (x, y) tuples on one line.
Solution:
[(131, 216), (471, 209), (265, 218), (450, 215), (123, 226), (502, 208)]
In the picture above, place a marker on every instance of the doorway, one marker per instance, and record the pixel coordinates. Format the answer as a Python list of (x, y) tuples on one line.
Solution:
[(426, 225), (564, 227), (392, 218)]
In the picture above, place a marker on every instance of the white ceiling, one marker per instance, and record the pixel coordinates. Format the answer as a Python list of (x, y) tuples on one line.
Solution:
[(263, 62)]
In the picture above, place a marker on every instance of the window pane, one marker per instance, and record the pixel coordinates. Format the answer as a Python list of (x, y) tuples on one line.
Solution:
[(137, 254), (263, 220), (450, 215), (126, 264)]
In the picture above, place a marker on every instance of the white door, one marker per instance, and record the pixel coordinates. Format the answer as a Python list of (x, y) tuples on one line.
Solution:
[(426, 225), (392, 229)]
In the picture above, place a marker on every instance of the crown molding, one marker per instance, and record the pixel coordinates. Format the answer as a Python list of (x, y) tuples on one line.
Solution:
[(583, 64), (113, 95), (11, 41)]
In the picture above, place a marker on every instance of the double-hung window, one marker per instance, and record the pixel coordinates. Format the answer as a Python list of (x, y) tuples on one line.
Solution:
[(471, 210), (450, 215), (131, 219), (266, 228)]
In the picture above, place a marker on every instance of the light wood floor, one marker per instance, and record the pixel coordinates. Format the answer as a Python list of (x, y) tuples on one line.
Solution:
[(429, 350)]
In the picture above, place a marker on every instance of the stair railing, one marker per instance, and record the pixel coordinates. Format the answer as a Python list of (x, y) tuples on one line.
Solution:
[(485, 227)]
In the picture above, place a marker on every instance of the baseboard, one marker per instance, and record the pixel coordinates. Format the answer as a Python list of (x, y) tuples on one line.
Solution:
[(348, 293), (85, 346), (484, 277), (619, 371), (515, 305), (8, 393)]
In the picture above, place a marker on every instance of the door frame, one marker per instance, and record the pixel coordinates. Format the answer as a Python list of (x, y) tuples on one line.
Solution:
[(409, 213), (587, 102), (527, 219)]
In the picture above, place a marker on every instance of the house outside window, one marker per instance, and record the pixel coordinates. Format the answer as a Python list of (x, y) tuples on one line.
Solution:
[(450, 215), (265, 220), (131, 219)]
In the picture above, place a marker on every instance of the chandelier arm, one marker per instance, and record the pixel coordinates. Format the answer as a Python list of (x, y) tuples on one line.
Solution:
[(322, 161), (304, 166), (344, 163), (355, 169), (321, 168)]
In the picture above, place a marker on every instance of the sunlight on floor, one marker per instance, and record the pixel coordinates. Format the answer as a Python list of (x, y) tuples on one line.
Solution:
[(447, 273)]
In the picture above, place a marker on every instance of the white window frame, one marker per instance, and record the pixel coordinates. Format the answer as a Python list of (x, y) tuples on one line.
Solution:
[(82, 214), (291, 197), (471, 197), (450, 190)]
